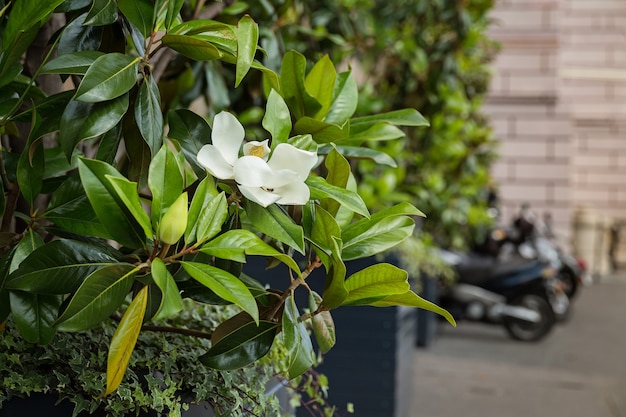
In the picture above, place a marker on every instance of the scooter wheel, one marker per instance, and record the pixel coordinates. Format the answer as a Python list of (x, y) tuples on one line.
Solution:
[(526, 331)]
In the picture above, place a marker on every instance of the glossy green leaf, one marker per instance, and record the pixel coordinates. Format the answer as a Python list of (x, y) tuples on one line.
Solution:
[(124, 340), (274, 222), (277, 119), (5, 303), (171, 301), (109, 208), (320, 189), (77, 36), (173, 10), (335, 291), (82, 121), (128, 193), (109, 77), (359, 152), (102, 12), (235, 244), (247, 39), (192, 132), (192, 47), (292, 76), (205, 192), (174, 221), (140, 13), (109, 144), (74, 63), (324, 232), (382, 231), (242, 346), (30, 167), (320, 83), (99, 296), (148, 114), (297, 340), (29, 243), (211, 218), (165, 182), (323, 132), (70, 209), (339, 170), (375, 283), (34, 315), (29, 13), (345, 99), (403, 117), (410, 299), (225, 285), (322, 324), (376, 132)]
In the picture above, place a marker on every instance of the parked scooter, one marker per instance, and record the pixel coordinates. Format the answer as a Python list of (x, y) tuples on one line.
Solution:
[(523, 295)]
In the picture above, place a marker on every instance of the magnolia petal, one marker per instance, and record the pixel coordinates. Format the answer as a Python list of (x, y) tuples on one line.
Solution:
[(252, 171), (294, 193), (256, 148), (212, 160), (227, 136), (287, 156), (259, 195)]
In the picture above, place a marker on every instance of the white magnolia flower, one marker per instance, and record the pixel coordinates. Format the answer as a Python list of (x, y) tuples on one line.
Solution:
[(277, 180)]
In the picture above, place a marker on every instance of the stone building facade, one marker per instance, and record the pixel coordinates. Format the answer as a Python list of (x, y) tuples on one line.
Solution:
[(558, 107)]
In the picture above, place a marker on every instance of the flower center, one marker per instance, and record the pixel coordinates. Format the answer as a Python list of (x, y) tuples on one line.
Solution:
[(257, 151)]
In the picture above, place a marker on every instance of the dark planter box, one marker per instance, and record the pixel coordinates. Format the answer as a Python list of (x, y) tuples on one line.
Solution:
[(371, 364)]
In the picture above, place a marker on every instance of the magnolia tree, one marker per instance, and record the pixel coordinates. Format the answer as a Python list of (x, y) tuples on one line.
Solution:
[(119, 201)]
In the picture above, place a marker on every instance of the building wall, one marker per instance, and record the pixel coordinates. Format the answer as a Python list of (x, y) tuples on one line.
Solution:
[(558, 107)]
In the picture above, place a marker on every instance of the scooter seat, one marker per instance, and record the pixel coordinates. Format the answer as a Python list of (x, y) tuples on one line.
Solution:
[(477, 269)]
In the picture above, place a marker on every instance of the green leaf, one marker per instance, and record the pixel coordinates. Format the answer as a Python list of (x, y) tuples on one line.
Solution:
[(109, 76), (320, 189), (124, 340), (322, 132), (359, 152), (102, 12), (204, 194), (127, 192), (375, 283), (148, 114), (29, 243), (338, 175), (324, 232), (403, 117), (320, 82), (247, 38), (77, 36), (192, 47), (410, 299), (109, 208), (237, 243), (82, 121), (376, 132), (74, 63), (140, 13), (300, 102), (345, 99), (25, 15), (225, 285), (70, 209), (277, 119), (241, 347), (276, 223), (171, 301), (58, 267), (322, 324), (211, 218), (165, 182), (173, 10), (5, 303), (34, 315), (335, 291), (99, 296), (30, 167), (297, 340), (382, 231), (192, 132)]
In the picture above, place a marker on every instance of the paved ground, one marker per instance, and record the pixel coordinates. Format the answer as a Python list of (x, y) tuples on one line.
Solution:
[(579, 370)]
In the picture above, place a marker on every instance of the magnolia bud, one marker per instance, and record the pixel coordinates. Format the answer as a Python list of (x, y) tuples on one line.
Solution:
[(174, 221)]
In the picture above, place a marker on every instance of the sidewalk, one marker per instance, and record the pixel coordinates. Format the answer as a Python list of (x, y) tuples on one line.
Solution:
[(579, 370)]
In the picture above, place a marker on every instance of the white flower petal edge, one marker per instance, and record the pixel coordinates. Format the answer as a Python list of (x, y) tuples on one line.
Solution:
[(252, 171), (287, 156), (212, 160), (256, 148), (227, 136), (259, 195), (294, 193)]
